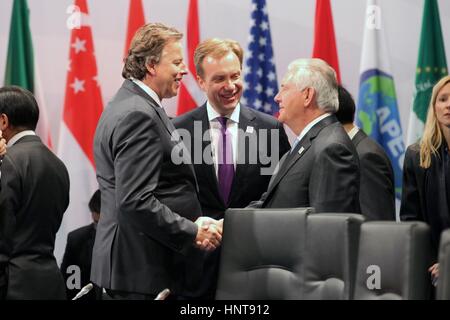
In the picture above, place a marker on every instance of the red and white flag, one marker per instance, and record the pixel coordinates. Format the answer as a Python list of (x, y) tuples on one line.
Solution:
[(190, 95), (82, 109), (136, 19), (43, 126), (324, 38)]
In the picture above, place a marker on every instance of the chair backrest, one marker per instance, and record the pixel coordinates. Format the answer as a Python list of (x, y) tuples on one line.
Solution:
[(331, 256), (262, 254), (393, 261), (443, 284)]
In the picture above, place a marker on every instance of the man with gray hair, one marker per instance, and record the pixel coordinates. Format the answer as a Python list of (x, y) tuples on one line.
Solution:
[(322, 168)]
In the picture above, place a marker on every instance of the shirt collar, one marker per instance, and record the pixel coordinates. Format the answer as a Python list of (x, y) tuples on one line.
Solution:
[(312, 124), (19, 136), (213, 114), (148, 90), (352, 133)]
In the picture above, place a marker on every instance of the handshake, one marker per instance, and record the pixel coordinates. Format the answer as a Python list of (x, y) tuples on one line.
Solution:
[(209, 234)]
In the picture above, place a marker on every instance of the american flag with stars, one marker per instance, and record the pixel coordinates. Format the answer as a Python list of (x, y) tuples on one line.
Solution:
[(260, 75)]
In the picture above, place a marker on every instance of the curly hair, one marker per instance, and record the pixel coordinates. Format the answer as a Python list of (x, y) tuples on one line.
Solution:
[(146, 47)]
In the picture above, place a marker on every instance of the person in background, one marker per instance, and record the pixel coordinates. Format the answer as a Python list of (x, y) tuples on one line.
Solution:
[(426, 171), (79, 251), (34, 196), (377, 175), (219, 69)]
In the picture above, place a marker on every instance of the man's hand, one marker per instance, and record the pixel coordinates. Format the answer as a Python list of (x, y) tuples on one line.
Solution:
[(2, 145), (434, 269), (209, 234)]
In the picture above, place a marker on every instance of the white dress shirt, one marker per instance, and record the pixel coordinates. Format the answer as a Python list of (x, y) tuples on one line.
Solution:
[(148, 90), (352, 133), (215, 132), (16, 138), (19, 136), (308, 127)]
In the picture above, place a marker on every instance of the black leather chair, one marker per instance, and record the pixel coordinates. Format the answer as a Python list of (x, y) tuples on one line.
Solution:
[(331, 256), (393, 261), (443, 284), (262, 254)]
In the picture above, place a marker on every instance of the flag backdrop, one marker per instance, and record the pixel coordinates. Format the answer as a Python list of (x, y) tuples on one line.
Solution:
[(377, 111), (136, 19), (431, 67), (20, 67), (324, 39), (82, 109), (190, 95), (260, 74)]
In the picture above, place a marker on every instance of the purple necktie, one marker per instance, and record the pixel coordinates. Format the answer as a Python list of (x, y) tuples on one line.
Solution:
[(226, 166)]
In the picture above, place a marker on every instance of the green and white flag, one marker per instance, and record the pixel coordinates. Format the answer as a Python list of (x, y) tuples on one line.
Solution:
[(20, 68), (431, 67)]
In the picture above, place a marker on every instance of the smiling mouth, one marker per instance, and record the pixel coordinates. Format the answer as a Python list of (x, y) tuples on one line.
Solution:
[(229, 96)]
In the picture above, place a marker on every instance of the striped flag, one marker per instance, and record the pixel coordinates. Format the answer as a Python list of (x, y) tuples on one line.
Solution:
[(324, 39), (82, 109), (20, 67), (431, 66), (377, 110), (136, 19), (190, 95), (260, 75)]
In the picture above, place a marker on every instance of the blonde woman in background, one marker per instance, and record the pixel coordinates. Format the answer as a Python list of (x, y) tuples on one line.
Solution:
[(426, 171)]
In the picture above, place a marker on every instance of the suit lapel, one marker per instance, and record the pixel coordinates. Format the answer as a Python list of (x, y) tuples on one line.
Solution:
[(359, 136), (130, 85), (209, 170), (300, 150), (159, 111), (246, 120)]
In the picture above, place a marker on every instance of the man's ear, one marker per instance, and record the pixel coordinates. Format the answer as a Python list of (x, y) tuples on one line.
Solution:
[(201, 83), (151, 68), (4, 122), (310, 95)]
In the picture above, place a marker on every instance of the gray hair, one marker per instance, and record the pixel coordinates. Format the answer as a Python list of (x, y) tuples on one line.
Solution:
[(317, 74)]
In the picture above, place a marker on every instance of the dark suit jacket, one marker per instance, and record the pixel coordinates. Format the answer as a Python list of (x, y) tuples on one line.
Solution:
[(377, 190), (34, 196), (248, 184), (79, 253), (414, 203), (149, 203), (321, 172)]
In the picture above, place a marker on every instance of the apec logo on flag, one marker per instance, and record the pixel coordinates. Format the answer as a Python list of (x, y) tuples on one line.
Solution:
[(379, 118)]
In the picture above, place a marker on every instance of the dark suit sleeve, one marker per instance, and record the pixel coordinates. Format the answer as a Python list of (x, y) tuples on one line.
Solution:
[(258, 203), (9, 204), (410, 209), (138, 157), (69, 259), (334, 186), (377, 195)]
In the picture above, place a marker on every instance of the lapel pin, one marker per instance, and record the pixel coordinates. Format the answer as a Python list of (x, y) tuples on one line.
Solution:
[(301, 150), (250, 129)]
